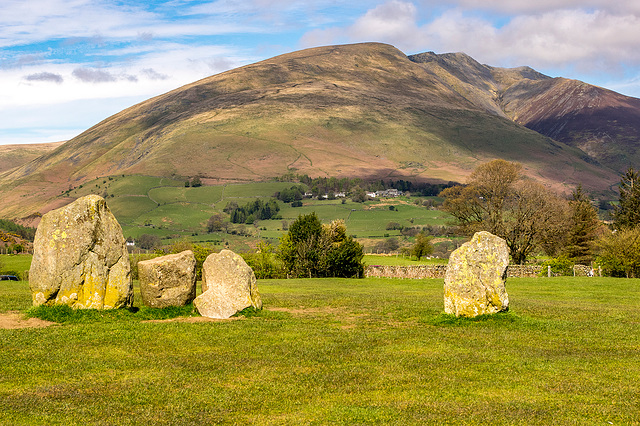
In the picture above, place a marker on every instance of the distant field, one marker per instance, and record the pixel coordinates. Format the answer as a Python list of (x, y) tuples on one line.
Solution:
[(18, 264), (165, 207), (336, 351)]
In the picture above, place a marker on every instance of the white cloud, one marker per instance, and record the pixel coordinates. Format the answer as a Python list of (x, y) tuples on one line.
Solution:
[(394, 20), (509, 7), (588, 41)]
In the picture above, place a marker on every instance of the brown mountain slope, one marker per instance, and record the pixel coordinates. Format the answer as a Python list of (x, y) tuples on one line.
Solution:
[(602, 123), (356, 110), (13, 156)]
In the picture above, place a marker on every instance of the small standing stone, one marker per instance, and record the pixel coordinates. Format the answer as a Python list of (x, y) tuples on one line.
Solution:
[(228, 286), (475, 280), (168, 280), (80, 258)]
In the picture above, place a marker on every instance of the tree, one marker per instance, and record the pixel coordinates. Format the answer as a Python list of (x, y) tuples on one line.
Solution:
[(627, 213), (358, 195), (619, 253), (311, 249), (583, 228), (215, 223), (422, 246), (499, 199), (388, 245), (148, 242)]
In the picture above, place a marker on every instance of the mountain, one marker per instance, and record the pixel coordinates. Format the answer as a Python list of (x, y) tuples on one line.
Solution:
[(602, 123), (361, 110)]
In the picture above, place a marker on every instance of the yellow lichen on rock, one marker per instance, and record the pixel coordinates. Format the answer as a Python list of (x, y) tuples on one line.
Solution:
[(80, 258), (476, 275)]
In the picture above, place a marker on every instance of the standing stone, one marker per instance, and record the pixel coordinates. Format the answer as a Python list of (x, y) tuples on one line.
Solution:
[(168, 280), (80, 258), (228, 286), (474, 282)]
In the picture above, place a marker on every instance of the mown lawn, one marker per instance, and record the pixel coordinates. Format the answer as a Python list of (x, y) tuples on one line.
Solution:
[(337, 351)]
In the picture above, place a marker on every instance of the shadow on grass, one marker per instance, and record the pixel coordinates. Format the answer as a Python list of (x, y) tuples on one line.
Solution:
[(66, 314), (450, 320)]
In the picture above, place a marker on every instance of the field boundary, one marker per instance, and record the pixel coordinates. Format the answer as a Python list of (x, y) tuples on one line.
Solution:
[(439, 271)]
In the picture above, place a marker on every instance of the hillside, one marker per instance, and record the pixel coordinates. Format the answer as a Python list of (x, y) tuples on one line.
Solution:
[(602, 123), (364, 110), (13, 156)]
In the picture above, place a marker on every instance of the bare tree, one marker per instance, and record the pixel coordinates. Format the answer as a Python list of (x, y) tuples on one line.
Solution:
[(499, 199)]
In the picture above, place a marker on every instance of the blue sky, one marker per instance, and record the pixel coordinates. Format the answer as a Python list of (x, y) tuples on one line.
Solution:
[(65, 65)]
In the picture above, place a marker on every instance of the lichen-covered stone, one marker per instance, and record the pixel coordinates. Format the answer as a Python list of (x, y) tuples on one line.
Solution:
[(228, 286), (475, 280), (168, 280), (80, 258)]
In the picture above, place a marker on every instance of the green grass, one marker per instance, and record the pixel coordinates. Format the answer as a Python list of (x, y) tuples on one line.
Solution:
[(173, 209), (15, 264), (334, 351)]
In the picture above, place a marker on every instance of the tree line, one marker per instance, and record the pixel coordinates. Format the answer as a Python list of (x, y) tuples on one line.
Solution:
[(328, 185), (24, 232), (531, 218), (252, 211)]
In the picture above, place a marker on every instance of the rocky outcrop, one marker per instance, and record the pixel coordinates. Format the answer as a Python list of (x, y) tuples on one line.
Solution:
[(228, 286), (168, 280), (80, 258), (475, 280)]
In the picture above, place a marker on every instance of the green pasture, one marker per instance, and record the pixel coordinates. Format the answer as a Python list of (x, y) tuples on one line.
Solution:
[(335, 351), (128, 208), (15, 264), (254, 189), (165, 207)]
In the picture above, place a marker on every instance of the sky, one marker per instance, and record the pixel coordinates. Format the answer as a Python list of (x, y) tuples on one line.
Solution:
[(66, 65)]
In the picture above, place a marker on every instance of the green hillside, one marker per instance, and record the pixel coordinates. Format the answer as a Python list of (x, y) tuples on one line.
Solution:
[(166, 208)]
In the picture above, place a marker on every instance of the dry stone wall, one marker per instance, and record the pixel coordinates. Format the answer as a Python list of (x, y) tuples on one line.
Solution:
[(439, 271)]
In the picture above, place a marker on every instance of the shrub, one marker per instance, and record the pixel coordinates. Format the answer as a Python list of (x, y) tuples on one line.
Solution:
[(264, 262), (311, 249), (619, 253), (561, 265)]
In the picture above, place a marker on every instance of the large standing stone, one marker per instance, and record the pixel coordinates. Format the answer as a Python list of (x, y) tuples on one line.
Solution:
[(168, 280), (228, 286), (80, 258), (474, 282)]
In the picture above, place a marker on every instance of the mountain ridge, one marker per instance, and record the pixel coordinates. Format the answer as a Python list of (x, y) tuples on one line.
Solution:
[(361, 110)]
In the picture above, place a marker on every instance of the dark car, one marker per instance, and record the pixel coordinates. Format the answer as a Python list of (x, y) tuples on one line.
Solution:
[(8, 278)]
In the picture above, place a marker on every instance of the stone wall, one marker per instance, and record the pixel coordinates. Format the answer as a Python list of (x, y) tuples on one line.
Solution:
[(439, 271), (585, 271), (523, 271), (414, 272)]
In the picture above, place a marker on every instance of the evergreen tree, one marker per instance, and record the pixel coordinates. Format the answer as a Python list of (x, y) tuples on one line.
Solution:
[(310, 249), (627, 213), (583, 227)]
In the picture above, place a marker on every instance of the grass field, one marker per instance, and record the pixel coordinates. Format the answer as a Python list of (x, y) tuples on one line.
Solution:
[(165, 207), (336, 351)]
